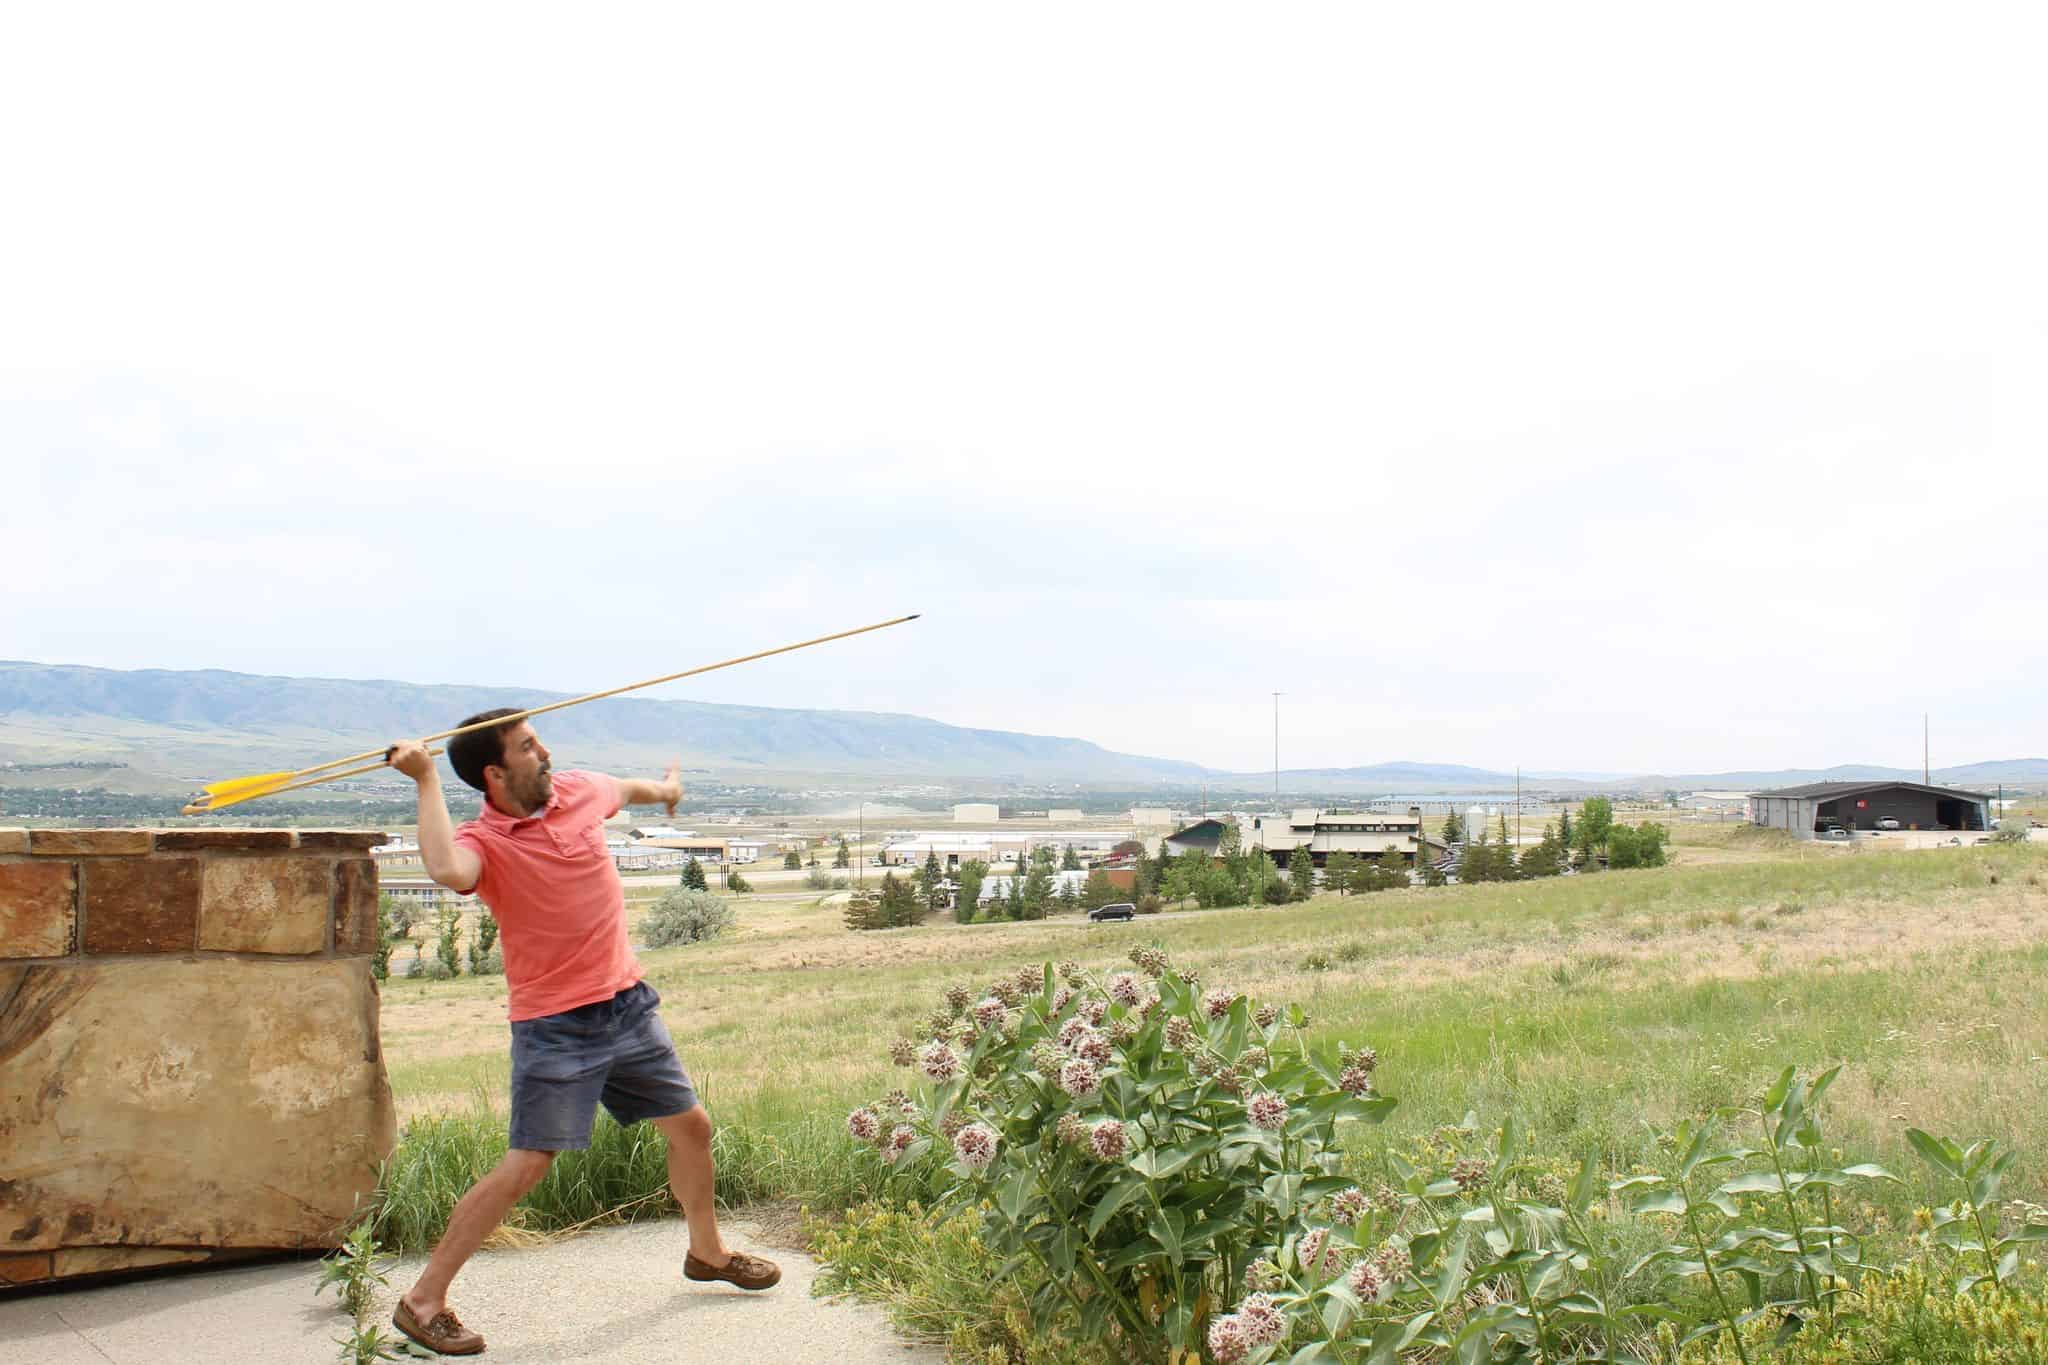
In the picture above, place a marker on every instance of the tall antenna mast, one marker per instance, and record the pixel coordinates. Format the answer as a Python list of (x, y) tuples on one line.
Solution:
[(1926, 774), (1276, 749)]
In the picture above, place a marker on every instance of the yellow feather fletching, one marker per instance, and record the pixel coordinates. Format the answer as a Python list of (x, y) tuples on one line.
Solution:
[(234, 786)]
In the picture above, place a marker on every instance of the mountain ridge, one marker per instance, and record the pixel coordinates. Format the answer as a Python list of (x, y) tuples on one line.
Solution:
[(212, 720)]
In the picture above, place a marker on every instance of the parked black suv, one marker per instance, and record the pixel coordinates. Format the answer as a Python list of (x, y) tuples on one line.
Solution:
[(1121, 910)]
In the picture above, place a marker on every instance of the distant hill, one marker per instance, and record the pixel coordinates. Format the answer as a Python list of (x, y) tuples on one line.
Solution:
[(154, 729), (210, 723), (1382, 777), (1977, 775)]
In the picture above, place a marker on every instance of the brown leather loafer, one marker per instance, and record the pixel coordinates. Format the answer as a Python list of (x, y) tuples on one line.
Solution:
[(748, 1272), (444, 1334)]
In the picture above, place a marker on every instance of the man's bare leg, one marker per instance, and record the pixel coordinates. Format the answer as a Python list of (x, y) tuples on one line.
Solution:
[(475, 1218), (690, 1179)]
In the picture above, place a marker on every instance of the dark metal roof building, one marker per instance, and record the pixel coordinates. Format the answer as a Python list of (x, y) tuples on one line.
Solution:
[(1803, 810)]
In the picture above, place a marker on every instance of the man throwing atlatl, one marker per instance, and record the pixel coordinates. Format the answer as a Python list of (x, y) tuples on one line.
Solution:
[(584, 1025)]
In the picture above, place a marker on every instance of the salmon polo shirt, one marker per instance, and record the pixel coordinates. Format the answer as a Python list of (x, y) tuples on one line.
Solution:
[(560, 907)]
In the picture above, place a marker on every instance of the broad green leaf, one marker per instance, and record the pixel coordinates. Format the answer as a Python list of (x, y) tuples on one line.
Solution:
[(1663, 1201), (1870, 1170), (1938, 1153), (1117, 1196), (1780, 1089), (1585, 1185), (1756, 1182)]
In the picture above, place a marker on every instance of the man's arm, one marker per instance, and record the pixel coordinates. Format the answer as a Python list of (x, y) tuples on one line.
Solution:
[(636, 791), (449, 863)]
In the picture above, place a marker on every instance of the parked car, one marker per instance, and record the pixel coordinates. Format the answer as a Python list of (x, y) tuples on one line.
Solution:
[(1832, 832), (1887, 822), (1120, 910)]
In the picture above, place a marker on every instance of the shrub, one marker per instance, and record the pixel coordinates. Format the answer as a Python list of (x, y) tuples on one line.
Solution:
[(1146, 1141), (818, 879), (1150, 904), (685, 916), (736, 884)]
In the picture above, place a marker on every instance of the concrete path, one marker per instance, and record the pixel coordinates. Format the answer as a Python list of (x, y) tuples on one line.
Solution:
[(615, 1295)]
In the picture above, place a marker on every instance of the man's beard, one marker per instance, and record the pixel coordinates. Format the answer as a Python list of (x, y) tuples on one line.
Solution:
[(534, 794)]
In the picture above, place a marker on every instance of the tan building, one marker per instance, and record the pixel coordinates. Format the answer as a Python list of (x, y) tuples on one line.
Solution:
[(1366, 834), (976, 813)]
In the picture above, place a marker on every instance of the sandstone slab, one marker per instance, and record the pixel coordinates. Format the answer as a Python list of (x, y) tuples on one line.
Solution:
[(90, 843), (342, 840), (265, 905), (355, 906), (248, 839), (13, 840), (141, 905), (38, 909), (179, 1103)]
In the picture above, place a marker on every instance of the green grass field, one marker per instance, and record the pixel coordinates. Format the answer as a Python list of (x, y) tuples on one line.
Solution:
[(1597, 1010)]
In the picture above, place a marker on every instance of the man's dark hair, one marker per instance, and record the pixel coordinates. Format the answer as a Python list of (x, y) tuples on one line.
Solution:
[(470, 754)]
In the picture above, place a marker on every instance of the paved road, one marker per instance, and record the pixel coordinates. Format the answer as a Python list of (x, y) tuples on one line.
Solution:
[(616, 1295)]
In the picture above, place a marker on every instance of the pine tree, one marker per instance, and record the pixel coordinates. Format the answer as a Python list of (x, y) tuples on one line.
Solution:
[(1564, 827), (899, 903), (1301, 874), (1393, 869), (1340, 873), (1454, 829), (1037, 893), (1070, 861), (1014, 903), (792, 861), (737, 884), (1020, 867), (930, 879), (693, 875), (842, 858)]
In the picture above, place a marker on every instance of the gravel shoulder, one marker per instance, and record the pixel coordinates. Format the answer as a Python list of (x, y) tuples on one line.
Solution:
[(616, 1294)]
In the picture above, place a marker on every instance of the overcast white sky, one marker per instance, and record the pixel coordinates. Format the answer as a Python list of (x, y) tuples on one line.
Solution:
[(1596, 387)]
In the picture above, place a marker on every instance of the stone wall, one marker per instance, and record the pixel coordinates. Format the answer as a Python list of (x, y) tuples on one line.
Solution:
[(189, 1058)]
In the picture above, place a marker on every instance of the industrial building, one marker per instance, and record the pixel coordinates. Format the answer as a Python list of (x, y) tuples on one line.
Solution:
[(953, 847), (1319, 833), (1802, 811)]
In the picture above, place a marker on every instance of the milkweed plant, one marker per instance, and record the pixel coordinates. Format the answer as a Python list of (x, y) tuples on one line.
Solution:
[(1168, 1157)]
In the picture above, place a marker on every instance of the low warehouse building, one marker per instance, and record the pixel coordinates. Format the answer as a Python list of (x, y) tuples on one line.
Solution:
[(1863, 805)]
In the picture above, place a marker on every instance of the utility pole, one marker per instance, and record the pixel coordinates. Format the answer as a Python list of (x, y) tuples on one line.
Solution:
[(1276, 750), (1518, 805), (1926, 774)]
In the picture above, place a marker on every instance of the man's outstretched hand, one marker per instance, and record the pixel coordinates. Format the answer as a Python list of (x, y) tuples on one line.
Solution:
[(410, 757)]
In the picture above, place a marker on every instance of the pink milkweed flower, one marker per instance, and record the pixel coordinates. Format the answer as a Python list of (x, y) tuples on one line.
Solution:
[(1107, 1140), (1124, 989), (1348, 1206), (1355, 1080), (1309, 1250), (1073, 1031), (864, 1125), (975, 1145), (1365, 1281), (1093, 1010), (1216, 1001), (1228, 1342), (1268, 1111), (1078, 1078), (939, 1061), (1266, 1016), (989, 1011), (1094, 1048), (899, 1141), (1263, 1321)]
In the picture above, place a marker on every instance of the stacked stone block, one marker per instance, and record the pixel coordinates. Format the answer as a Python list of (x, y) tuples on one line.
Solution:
[(190, 1066)]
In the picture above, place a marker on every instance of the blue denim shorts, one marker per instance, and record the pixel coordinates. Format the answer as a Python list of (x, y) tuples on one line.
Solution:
[(616, 1052)]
